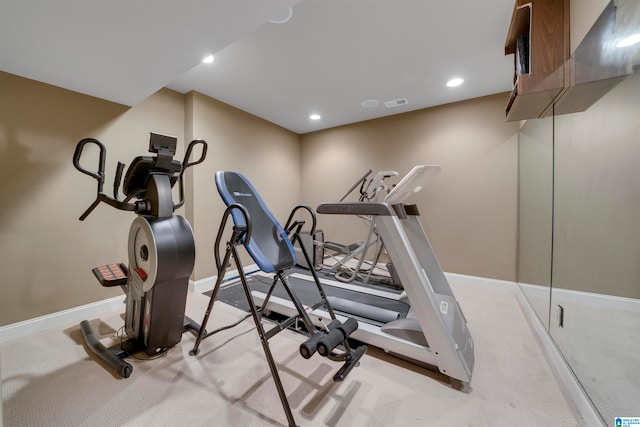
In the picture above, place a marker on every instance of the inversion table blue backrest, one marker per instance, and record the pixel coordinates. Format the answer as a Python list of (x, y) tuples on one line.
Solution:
[(269, 245)]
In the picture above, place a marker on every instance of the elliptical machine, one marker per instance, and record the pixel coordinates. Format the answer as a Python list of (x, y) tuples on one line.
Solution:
[(161, 251)]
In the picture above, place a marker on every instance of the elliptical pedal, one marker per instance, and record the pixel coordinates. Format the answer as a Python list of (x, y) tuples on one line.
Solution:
[(111, 274)]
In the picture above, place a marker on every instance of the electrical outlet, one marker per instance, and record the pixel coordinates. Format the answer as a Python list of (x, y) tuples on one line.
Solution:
[(560, 315)]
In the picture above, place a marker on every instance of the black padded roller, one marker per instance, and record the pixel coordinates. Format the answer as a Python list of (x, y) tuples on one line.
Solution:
[(330, 341), (333, 324), (310, 346), (348, 327)]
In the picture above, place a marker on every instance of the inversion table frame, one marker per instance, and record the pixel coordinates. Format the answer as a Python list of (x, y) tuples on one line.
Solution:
[(269, 245)]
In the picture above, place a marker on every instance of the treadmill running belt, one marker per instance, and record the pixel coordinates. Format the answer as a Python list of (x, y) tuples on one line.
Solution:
[(308, 293)]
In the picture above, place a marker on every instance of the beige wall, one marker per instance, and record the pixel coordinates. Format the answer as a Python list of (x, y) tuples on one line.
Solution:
[(47, 254), (268, 155), (469, 210), (597, 196), (536, 202)]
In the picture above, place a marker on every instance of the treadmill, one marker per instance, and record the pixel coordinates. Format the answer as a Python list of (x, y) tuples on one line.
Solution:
[(424, 324)]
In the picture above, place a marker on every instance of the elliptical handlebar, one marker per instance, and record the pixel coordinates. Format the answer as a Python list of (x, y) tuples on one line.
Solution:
[(359, 182), (139, 206), (99, 176), (187, 164)]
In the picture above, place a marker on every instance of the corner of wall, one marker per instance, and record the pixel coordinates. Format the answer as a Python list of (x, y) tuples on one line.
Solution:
[(189, 185)]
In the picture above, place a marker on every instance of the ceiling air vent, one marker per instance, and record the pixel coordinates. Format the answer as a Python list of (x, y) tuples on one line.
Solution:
[(396, 102)]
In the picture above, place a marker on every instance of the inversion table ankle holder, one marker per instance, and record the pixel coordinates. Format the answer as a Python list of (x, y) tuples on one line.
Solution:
[(271, 247)]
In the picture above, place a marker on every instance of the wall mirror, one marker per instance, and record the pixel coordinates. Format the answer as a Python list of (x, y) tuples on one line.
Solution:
[(579, 220)]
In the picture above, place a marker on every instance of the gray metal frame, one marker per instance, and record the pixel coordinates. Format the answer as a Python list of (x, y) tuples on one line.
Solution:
[(436, 309)]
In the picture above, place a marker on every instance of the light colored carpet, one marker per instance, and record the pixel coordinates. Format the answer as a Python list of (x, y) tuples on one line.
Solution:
[(49, 380)]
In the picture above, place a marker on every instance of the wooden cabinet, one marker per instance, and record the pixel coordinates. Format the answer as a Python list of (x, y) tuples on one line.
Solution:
[(538, 38)]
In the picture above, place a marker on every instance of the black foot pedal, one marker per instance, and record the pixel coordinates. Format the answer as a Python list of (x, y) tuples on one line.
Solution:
[(353, 361), (111, 274)]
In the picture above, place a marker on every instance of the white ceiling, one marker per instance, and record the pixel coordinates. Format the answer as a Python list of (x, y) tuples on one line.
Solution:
[(121, 50), (327, 59)]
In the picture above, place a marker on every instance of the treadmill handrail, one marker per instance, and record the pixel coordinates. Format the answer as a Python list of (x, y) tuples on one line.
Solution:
[(356, 208)]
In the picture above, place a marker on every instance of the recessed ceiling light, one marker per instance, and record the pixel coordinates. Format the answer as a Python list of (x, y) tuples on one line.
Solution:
[(629, 41), (282, 17), (455, 82), (208, 59), (315, 117)]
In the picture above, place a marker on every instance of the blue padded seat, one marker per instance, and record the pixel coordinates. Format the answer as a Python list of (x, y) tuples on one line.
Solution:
[(269, 245)]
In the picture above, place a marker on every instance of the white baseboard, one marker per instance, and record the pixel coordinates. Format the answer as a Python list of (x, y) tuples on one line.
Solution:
[(596, 300), (60, 318), (575, 389), (95, 309), (537, 291), (496, 284), (583, 298)]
